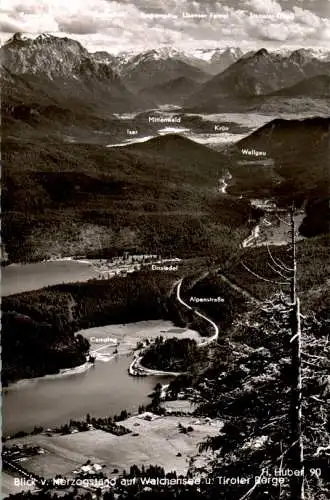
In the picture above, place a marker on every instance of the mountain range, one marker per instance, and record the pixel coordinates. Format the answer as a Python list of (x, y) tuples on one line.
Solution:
[(211, 61), (149, 69), (259, 74), (53, 71), (59, 72)]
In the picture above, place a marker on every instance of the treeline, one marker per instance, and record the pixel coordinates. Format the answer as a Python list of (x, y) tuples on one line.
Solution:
[(106, 424)]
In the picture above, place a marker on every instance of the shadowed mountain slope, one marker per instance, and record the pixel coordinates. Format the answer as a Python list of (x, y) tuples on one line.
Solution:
[(256, 75)]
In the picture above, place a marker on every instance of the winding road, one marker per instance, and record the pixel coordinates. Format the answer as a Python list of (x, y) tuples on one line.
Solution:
[(137, 369), (216, 329)]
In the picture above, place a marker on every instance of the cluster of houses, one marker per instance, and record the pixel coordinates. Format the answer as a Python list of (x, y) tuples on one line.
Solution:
[(88, 469), (21, 452), (121, 266), (264, 204)]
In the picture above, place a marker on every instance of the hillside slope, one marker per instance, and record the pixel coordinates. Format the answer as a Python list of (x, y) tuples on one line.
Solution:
[(259, 74), (156, 197), (173, 91), (317, 86), (288, 159)]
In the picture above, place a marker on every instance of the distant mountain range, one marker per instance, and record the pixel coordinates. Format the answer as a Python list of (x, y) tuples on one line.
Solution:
[(259, 74), (211, 61), (51, 81), (151, 68)]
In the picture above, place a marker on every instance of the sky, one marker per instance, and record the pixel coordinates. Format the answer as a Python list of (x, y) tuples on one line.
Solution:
[(126, 25)]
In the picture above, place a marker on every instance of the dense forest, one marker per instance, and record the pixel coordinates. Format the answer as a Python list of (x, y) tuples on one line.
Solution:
[(298, 161), (251, 369), (312, 269), (177, 355), (34, 348), (80, 199), (64, 309)]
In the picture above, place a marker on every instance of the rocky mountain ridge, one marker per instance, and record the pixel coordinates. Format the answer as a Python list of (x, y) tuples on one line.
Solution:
[(259, 74), (52, 57), (54, 71)]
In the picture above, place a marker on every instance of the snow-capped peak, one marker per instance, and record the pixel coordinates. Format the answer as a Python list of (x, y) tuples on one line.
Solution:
[(44, 36), (323, 54)]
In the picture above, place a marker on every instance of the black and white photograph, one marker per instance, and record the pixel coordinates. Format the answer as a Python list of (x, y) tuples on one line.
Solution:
[(165, 272)]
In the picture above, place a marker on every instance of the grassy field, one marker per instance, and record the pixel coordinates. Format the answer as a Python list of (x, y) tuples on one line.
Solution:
[(125, 337), (155, 442)]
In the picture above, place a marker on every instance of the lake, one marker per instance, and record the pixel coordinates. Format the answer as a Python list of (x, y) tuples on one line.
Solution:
[(18, 278), (103, 389)]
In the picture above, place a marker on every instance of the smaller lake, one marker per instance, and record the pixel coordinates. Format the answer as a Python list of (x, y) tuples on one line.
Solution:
[(18, 278)]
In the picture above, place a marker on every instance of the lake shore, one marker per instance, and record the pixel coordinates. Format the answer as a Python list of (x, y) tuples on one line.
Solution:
[(25, 277), (39, 396)]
